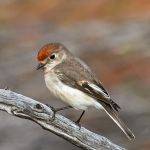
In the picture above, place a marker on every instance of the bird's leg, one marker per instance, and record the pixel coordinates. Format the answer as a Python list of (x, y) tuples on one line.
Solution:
[(63, 108), (78, 121), (55, 110), (7, 88)]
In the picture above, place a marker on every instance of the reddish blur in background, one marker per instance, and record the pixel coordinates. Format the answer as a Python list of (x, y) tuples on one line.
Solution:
[(111, 36)]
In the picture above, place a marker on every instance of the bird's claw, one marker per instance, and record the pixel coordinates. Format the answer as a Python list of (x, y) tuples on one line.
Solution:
[(54, 111), (7, 88), (53, 117), (78, 124)]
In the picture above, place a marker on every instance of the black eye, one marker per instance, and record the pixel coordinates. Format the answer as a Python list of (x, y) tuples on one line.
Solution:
[(52, 56)]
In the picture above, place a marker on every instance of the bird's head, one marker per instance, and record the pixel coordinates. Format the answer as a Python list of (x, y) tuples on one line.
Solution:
[(51, 55)]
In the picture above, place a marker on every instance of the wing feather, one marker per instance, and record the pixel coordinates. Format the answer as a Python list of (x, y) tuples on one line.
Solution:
[(93, 90)]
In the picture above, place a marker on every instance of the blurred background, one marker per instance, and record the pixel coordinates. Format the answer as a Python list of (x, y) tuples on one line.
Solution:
[(111, 36)]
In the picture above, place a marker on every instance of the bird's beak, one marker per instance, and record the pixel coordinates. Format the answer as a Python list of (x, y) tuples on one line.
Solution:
[(40, 66)]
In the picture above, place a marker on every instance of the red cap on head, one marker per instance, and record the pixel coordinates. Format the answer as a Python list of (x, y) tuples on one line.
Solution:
[(47, 50)]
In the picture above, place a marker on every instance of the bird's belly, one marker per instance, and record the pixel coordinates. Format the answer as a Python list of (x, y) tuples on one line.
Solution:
[(72, 96)]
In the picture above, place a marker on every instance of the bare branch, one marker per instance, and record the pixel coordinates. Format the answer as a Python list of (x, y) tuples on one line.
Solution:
[(25, 107)]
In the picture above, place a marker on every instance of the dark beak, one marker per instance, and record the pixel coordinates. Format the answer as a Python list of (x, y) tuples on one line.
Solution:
[(40, 66)]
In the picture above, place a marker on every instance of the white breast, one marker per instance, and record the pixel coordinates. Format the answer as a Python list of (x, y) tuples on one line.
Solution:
[(73, 97)]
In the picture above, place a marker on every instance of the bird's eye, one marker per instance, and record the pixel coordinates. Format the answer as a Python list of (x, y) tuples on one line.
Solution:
[(53, 56)]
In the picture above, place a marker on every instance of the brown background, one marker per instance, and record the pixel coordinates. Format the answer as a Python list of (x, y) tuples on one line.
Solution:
[(111, 36)]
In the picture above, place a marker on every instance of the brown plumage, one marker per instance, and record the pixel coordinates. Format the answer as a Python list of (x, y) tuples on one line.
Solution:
[(73, 81)]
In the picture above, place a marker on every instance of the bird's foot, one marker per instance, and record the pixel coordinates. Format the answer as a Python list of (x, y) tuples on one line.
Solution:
[(7, 88), (78, 123), (54, 111)]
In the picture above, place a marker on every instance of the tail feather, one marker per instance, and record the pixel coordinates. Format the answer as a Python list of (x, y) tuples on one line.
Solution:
[(115, 117), (115, 105)]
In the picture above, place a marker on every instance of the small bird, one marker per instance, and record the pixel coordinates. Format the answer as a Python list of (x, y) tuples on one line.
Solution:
[(71, 80)]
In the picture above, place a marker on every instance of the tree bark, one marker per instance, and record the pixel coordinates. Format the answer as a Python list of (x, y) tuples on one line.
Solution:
[(25, 107)]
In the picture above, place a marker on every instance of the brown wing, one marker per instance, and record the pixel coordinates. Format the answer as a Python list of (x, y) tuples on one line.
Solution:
[(100, 94), (109, 106), (77, 75), (94, 89)]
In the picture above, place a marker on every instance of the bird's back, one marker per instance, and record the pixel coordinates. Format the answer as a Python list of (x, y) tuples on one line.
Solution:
[(76, 68)]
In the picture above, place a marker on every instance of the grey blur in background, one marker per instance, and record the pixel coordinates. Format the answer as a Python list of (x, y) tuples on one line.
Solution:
[(112, 37)]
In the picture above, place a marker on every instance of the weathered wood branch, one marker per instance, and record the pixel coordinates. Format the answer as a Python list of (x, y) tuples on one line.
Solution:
[(25, 107)]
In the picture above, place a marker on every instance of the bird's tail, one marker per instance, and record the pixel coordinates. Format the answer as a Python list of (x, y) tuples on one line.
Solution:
[(115, 117)]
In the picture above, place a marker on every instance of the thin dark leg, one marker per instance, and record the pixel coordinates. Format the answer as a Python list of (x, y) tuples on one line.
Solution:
[(78, 121), (63, 108), (59, 109), (55, 110)]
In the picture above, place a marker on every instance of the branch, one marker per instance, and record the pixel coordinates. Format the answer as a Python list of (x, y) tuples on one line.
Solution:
[(25, 107)]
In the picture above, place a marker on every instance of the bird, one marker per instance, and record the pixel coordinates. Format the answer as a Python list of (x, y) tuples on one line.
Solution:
[(70, 79)]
